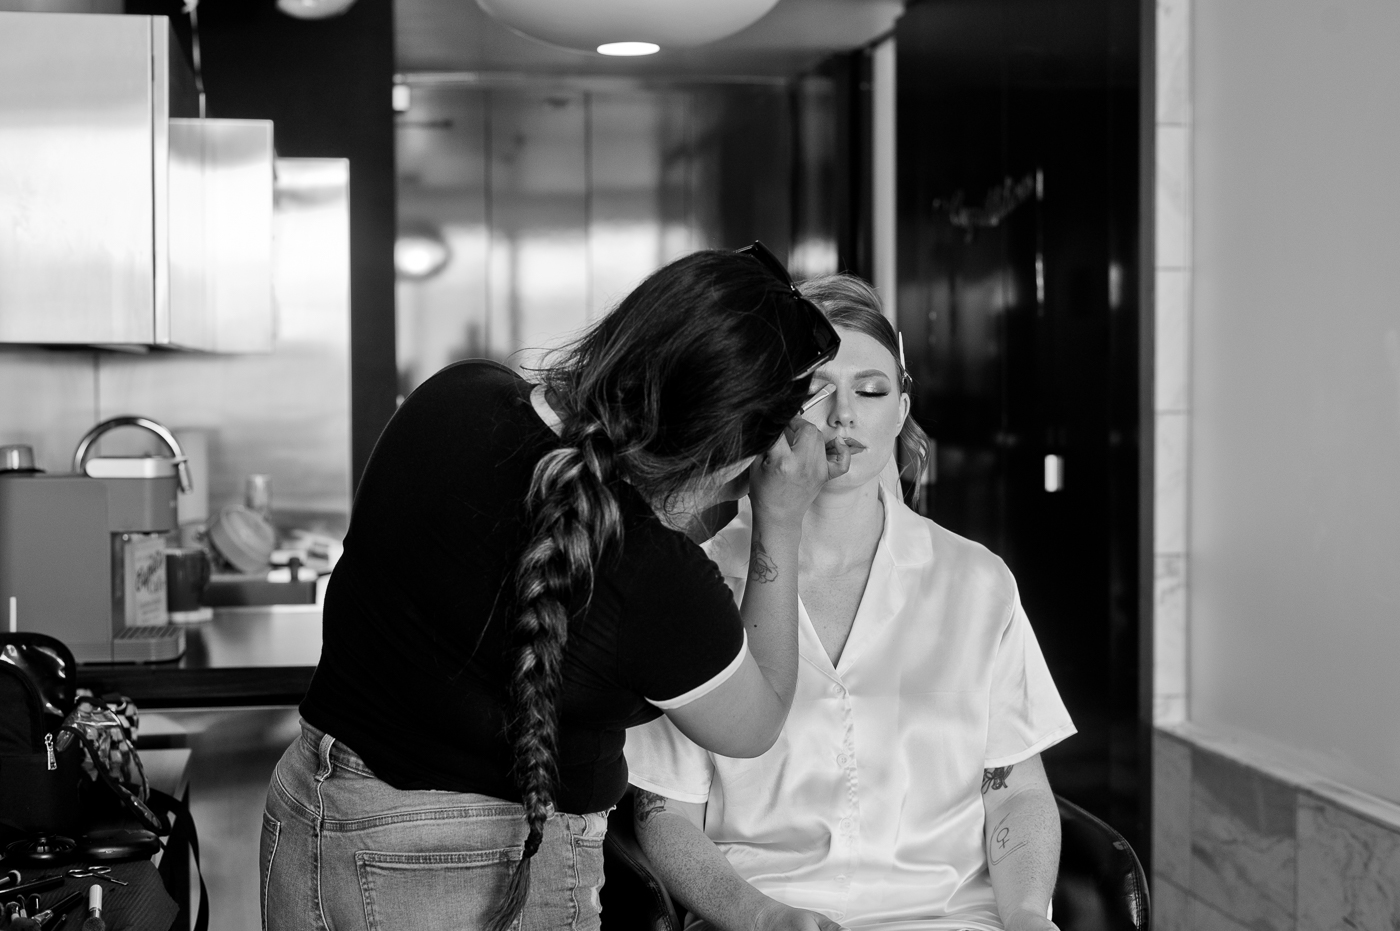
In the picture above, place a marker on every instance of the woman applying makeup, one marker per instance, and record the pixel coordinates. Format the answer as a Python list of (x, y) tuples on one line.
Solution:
[(906, 790), (516, 591)]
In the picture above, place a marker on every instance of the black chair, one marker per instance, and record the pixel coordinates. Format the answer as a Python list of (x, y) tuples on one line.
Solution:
[(1102, 886)]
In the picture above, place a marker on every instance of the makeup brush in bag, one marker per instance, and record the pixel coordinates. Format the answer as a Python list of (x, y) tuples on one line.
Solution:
[(94, 920), (53, 916)]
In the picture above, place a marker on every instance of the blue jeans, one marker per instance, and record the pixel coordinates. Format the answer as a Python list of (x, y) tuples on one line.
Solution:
[(343, 850)]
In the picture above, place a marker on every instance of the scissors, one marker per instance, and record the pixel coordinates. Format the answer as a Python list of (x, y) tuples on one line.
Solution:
[(99, 872)]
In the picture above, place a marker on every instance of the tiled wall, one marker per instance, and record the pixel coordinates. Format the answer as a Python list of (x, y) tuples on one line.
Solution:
[(1242, 845)]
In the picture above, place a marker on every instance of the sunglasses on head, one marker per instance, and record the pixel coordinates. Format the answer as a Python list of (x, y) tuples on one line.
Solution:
[(816, 344)]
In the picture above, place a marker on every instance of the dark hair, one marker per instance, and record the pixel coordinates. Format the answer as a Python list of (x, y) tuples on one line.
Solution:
[(687, 375), (851, 304)]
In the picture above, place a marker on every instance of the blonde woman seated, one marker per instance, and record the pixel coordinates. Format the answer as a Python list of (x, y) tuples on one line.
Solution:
[(906, 790)]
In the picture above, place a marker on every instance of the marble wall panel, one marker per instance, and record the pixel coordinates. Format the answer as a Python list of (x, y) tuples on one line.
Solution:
[(1173, 198), (1243, 842), (1174, 61), (1348, 869), (1171, 906), (1171, 809), (1172, 356), (1170, 463), (1169, 628), (1168, 709), (1201, 916)]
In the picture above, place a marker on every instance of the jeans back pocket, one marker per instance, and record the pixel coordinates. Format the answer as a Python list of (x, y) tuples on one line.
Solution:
[(433, 890)]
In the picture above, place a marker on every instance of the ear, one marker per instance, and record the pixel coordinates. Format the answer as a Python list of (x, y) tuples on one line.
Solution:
[(903, 408)]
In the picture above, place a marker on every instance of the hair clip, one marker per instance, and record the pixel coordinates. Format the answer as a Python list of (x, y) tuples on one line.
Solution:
[(907, 381)]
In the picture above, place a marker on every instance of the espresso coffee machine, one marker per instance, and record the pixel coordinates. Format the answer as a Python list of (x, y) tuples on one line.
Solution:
[(82, 556)]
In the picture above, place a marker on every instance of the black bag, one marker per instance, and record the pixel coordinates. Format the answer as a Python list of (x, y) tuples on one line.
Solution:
[(53, 778), (39, 782)]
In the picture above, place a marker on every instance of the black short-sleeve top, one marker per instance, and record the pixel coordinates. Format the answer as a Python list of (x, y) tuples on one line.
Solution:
[(416, 651)]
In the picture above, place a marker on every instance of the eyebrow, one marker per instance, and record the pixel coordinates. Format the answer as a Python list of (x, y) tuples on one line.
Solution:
[(864, 373)]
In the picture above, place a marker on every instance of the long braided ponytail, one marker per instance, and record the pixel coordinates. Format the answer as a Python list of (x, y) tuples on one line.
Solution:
[(576, 520), (688, 374)]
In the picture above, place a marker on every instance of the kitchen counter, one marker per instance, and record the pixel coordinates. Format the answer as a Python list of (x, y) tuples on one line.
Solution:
[(244, 657)]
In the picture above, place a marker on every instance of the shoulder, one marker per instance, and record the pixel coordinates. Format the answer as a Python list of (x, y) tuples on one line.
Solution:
[(462, 379), (652, 549), (471, 400), (922, 545)]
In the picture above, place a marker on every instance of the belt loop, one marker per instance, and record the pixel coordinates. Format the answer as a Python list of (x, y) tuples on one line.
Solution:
[(324, 752)]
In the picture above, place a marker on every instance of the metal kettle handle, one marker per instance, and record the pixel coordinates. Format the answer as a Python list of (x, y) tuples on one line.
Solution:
[(182, 465)]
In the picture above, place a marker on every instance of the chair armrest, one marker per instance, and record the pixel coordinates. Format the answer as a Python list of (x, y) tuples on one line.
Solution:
[(1101, 886)]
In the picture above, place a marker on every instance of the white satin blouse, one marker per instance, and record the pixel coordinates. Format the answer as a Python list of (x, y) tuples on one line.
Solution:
[(869, 807)]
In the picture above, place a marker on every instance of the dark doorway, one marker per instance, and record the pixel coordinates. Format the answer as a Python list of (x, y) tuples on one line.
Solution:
[(1018, 301)]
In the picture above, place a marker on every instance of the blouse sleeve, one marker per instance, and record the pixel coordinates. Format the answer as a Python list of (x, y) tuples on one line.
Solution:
[(1027, 715), (661, 759), (681, 635)]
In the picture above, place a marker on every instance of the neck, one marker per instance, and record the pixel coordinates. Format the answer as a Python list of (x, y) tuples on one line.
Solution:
[(842, 528)]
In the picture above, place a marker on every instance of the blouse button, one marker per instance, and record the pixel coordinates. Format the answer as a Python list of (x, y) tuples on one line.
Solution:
[(842, 759), (845, 824), (837, 690)]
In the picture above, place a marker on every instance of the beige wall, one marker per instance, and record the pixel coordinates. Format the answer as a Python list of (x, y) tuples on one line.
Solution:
[(1294, 518)]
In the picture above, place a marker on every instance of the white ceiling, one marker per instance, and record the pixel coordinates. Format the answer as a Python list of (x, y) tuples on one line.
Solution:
[(455, 35)]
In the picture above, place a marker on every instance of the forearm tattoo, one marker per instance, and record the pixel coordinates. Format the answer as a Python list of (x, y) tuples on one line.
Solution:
[(761, 566), (993, 779), (647, 805), (1001, 844)]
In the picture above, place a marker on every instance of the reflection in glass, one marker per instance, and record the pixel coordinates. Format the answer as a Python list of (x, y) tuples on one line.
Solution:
[(554, 200)]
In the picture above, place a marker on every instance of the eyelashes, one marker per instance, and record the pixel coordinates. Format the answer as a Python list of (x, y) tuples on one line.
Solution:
[(867, 393)]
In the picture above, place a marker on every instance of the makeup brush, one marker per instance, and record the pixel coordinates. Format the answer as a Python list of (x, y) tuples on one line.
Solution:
[(94, 920), (817, 398), (53, 916)]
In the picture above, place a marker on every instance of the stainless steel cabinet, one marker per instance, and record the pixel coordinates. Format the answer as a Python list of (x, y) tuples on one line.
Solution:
[(220, 254), (118, 224)]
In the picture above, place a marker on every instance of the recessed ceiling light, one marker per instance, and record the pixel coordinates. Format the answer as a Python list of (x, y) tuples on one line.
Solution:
[(628, 48), (587, 24)]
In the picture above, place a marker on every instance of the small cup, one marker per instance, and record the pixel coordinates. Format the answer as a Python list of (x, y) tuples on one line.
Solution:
[(17, 458), (186, 574)]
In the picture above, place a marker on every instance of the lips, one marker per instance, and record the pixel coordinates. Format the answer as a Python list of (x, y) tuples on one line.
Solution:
[(853, 444)]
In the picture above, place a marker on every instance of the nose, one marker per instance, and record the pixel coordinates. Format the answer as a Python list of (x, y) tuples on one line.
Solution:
[(842, 413)]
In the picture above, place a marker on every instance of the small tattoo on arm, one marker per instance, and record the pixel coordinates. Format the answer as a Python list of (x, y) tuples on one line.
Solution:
[(648, 805), (1001, 844), (993, 779), (761, 566)]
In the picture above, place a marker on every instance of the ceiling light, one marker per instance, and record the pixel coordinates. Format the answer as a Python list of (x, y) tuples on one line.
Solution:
[(587, 24), (314, 9), (625, 49), (420, 254)]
